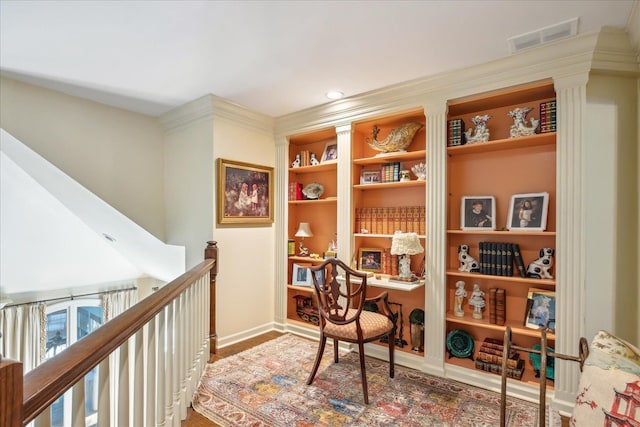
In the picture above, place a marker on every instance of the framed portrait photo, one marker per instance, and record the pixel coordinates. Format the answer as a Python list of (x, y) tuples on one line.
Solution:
[(370, 259), (330, 153), (245, 193), (541, 309), (528, 212), (370, 176), (301, 275), (478, 213)]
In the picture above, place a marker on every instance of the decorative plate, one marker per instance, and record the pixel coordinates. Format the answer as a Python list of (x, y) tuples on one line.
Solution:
[(460, 343), (313, 190), (536, 361)]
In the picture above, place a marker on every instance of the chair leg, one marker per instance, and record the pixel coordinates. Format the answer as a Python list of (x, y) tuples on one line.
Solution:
[(316, 364), (363, 373), (392, 343), (335, 351)]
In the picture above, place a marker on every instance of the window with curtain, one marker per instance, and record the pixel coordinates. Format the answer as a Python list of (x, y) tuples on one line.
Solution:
[(68, 322)]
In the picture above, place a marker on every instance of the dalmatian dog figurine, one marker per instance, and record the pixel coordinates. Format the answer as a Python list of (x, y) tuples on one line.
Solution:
[(313, 160), (296, 162), (541, 268), (467, 262)]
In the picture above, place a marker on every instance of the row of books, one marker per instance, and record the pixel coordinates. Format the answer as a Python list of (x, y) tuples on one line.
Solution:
[(390, 172), (490, 356), (388, 220), (295, 191), (548, 116), (497, 259), (497, 306), (455, 132)]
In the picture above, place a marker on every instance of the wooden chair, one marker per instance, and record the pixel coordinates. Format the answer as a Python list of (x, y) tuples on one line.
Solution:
[(342, 317)]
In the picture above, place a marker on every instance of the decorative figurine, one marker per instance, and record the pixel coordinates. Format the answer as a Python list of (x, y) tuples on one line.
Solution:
[(467, 262), (519, 126), (404, 176), (477, 301), (296, 162), (482, 133), (541, 268), (420, 171), (397, 140), (460, 294), (313, 161)]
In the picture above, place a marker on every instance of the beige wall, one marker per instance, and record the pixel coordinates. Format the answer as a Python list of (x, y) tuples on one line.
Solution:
[(116, 154), (611, 217)]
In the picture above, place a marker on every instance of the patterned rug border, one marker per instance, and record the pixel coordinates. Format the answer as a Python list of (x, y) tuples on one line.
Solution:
[(228, 411)]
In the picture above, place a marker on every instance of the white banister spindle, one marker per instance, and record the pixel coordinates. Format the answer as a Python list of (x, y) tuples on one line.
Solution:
[(180, 407), (169, 365), (138, 380), (151, 391), (104, 395), (122, 404), (161, 385), (78, 417)]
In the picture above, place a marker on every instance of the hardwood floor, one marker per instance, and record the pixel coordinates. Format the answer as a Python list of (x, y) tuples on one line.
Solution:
[(196, 420)]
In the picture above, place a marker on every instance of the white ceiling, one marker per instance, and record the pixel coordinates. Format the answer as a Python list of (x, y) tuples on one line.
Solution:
[(274, 57)]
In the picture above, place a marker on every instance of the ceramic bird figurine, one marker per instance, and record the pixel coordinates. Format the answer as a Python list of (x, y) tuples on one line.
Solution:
[(397, 140)]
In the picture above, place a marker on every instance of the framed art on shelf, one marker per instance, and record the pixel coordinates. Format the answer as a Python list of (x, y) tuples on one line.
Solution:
[(541, 309), (478, 213), (245, 193), (330, 153), (370, 176), (528, 212), (370, 259), (301, 275)]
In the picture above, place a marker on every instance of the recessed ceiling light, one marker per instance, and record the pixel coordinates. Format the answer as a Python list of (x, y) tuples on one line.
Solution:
[(334, 94)]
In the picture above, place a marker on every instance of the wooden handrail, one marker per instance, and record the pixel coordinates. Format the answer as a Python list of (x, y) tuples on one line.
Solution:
[(48, 381)]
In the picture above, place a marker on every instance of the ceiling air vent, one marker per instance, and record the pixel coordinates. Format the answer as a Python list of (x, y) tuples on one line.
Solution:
[(544, 35)]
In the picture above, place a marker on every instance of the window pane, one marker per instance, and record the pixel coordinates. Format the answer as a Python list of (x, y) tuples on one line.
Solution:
[(89, 319), (56, 332)]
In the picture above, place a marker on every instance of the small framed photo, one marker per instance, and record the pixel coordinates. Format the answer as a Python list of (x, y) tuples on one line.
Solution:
[(478, 213), (330, 153), (370, 259), (541, 309), (370, 176), (528, 212), (301, 275)]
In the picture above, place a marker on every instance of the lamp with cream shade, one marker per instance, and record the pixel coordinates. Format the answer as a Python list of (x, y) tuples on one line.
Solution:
[(404, 245), (304, 230)]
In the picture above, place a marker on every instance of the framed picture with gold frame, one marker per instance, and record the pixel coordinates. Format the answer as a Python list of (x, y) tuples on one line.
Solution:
[(370, 259), (245, 193)]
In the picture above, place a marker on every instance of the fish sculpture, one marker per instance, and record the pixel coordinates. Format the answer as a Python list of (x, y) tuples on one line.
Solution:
[(397, 140)]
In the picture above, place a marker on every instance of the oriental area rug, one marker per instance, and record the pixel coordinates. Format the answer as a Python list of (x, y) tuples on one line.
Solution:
[(266, 386)]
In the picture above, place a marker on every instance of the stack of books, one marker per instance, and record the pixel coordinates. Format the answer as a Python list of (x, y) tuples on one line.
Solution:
[(455, 132), (497, 259), (548, 116), (489, 359)]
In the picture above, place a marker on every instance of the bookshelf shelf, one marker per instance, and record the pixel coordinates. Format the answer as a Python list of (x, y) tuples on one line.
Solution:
[(510, 279), (314, 202), (322, 167), (389, 185), (516, 327), (392, 157), (536, 140)]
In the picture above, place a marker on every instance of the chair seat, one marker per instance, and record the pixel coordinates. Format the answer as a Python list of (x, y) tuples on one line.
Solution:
[(373, 325)]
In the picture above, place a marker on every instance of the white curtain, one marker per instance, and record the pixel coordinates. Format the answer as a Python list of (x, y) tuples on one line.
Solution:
[(114, 303), (23, 334)]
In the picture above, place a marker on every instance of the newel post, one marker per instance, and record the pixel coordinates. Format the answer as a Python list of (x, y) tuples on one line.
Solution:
[(211, 252), (11, 384)]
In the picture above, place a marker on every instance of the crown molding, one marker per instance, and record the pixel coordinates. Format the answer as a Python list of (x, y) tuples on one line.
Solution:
[(609, 48), (211, 107)]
